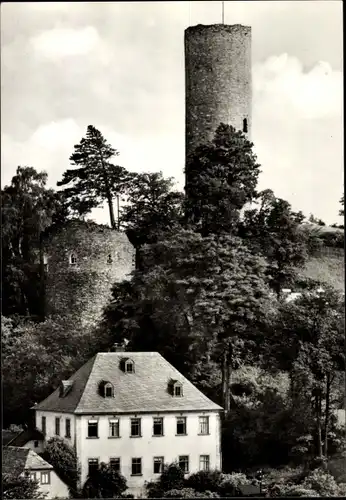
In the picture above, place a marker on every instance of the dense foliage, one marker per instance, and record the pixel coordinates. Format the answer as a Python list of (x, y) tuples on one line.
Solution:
[(221, 177), (36, 356), (104, 482), (14, 487), (28, 207), (64, 460)]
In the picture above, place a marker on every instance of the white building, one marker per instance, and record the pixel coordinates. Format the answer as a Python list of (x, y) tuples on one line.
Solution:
[(17, 461), (135, 411)]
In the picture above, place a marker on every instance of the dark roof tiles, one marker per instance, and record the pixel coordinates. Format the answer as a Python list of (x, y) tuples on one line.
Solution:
[(144, 390), (16, 460)]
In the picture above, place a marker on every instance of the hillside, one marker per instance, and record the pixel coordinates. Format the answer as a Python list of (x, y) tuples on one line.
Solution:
[(327, 265)]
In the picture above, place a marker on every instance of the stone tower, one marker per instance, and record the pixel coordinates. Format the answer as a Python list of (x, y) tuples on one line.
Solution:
[(82, 260), (217, 81)]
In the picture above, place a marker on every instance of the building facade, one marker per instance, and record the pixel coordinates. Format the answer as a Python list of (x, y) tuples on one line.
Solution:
[(137, 413), (218, 86)]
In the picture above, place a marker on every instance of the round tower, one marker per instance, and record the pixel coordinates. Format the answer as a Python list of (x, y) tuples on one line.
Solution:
[(217, 81), (82, 261)]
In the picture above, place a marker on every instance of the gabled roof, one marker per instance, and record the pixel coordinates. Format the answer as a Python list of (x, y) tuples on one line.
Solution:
[(145, 390), (25, 436), (16, 460)]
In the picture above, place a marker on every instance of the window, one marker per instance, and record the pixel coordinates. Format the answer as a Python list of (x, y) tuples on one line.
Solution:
[(203, 425), (43, 425), (135, 427), (204, 462), (158, 427), (178, 390), (158, 465), (32, 476), (57, 426), (109, 259), (93, 465), (92, 428), (109, 393), (175, 388), (129, 367), (73, 259), (114, 428), (184, 463), (114, 463), (68, 428), (181, 426), (36, 444), (45, 477), (245, 127), (136, 469)]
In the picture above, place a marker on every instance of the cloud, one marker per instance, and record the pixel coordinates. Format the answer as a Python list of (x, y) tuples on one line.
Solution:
[(310, 95), (297, 132), (59, 43)]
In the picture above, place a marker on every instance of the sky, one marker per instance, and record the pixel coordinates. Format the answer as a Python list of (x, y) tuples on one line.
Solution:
[(120, 67)]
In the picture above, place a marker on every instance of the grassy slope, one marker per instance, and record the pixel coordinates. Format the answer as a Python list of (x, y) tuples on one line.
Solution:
[(328, 267)]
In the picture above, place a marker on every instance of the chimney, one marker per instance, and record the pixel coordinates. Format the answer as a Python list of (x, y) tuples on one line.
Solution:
[(119, 347)]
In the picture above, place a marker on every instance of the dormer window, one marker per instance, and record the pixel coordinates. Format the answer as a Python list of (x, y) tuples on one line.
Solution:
[(73, 259), (109, 392), (65, 387), (175, 388), (127, 365), (106, 389)]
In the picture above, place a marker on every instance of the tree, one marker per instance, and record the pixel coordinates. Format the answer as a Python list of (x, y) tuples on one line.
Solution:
[(14, 487), (221, 177), (342, 202), (213, 287), (36, 357), (64, 460), (309, 342), (274, 231), (315, 220), (28, 207), (95, 179), (104, 482), (153, 208)]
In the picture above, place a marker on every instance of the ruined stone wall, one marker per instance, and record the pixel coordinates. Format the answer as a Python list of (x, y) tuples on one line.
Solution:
[(217, 80), (82, 289)]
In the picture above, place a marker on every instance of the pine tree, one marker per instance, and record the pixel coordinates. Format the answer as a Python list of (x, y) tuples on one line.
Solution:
[(95, 179)]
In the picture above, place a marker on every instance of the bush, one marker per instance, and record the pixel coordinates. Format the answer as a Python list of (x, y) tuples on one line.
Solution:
[(229, 484), (322, 482), (20, 487), (204, 481), (172, 478), (104, 482), (189, 493)]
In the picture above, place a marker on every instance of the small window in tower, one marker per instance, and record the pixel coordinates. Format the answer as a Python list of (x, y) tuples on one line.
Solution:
[(245, 127), (73, 259), (109, 259)]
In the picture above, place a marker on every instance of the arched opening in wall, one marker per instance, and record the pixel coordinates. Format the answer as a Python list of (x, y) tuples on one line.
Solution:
[(109, 259), (245, 126)]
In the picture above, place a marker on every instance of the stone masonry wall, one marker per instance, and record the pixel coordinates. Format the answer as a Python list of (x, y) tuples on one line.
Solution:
[(84, 288), (217, 80)]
